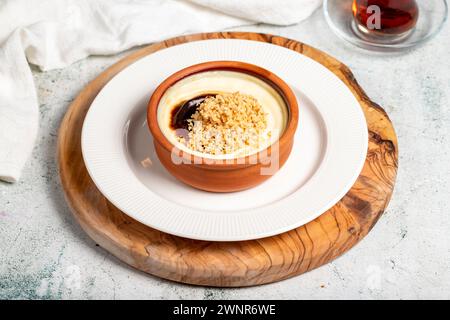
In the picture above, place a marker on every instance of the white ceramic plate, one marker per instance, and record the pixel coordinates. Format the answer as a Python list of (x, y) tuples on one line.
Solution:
[(329, 150)]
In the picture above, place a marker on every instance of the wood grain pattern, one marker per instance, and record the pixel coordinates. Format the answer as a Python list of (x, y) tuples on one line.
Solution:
[(231, 264)]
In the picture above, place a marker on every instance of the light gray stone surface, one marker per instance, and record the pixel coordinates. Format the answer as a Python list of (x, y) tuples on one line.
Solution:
[(45, 254)]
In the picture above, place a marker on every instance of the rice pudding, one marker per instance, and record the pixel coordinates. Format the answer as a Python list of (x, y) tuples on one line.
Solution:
[(222, 114)]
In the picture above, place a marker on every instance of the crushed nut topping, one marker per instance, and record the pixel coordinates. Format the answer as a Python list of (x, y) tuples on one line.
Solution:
[(228, 123)]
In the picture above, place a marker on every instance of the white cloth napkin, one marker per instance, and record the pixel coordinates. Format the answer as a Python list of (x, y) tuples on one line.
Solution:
[(55, 33)]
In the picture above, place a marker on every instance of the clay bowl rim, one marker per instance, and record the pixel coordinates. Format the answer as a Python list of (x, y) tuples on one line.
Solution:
[(269, 77)]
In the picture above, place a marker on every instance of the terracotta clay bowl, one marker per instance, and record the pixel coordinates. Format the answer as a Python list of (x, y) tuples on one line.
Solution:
[(229, 175)]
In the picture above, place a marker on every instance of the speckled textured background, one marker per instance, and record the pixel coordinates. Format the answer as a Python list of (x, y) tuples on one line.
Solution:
[(44, 254)]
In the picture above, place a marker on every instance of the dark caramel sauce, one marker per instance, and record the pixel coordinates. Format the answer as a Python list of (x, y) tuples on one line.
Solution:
[(184, 111)]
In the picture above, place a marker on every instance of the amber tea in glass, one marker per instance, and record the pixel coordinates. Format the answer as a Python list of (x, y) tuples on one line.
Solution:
[(392, 20)]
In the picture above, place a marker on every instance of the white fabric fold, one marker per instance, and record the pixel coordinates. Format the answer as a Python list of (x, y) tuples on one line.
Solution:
[(55, 33)]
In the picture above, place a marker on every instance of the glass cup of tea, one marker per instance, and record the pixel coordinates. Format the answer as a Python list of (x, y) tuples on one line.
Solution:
[(384, 20), (386, 25)]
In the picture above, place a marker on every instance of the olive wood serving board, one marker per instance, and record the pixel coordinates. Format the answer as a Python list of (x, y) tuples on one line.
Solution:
[(231, 264)]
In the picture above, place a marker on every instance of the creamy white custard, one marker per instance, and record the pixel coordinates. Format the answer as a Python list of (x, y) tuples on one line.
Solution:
[(216, 82)]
